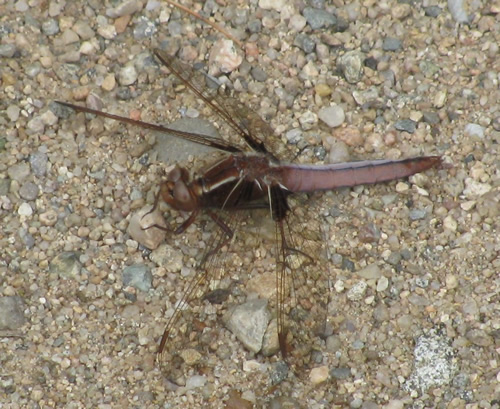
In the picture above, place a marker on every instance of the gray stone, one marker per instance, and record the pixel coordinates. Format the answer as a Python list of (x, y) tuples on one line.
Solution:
[(392, 44), (319, 18), (138, 276), (249, 323), (11, 313), (406, 125)]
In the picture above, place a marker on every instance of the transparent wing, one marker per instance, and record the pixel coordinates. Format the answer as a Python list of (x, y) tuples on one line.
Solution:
[(303, 282), (291, 251), (246, 123)]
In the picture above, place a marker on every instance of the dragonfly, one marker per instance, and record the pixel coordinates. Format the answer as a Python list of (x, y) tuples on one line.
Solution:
[(251, 176)]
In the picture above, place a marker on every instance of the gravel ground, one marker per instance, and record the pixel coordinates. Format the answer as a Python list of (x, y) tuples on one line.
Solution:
[(413, 311)]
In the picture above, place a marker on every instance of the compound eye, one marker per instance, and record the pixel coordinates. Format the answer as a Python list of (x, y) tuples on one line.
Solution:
[(174, 175), (181, 193)]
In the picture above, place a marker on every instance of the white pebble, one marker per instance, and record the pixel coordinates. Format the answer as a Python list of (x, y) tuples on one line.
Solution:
[(127, 75), (371, 271), (107, 31), (451, 281), (333, 115), (196, 381), (224, 57), (13, 112), (272, 4), (474, 130), (25, 210), (307, 120), (48, 118), (297, 22), (357, 291), (318, 375), (474, 189), (251, 365), (457, 11), (449, 223), (382, 284), (339, 286)]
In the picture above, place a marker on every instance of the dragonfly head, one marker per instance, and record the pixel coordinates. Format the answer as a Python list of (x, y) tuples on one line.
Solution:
[(177, 191)]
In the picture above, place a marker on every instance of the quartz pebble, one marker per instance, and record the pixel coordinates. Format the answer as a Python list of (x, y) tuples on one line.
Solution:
[(127, 75), (333, 116)]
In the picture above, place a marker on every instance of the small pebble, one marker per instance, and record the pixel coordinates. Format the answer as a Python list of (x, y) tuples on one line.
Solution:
[(48, 218), (168, 257), (109, 82), (7, 50), (340, 373), (319, 18), (432, 11), (124, 8), (449, 223), (440, 99), (406, 125), (138, 276), (195, 381), (25, 210), (144, 29), (11, 313), (318, 375), (69, 37), (190, 356), (224, 57), (474, 130), (66, 265), (21, 6), (38, 161), (434, 363), (400, 11), (29, 191), (294, 136), (305, 43), (248, 322), (50, 27), (395, 404), (357, 291), (272, 4), (12, 112), (417, 214), (431, 118), (83, 29), (323, 90), (127, 75), (307, 120), (479, 337), (457, 11), (475, 189), (351, 65), (370, 272), (392, 44), (107, 31), (297, 22), (333, 115)]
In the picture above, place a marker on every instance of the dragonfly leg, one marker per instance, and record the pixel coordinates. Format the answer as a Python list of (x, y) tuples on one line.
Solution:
[(188, 222), (155, 205), (228, 233)]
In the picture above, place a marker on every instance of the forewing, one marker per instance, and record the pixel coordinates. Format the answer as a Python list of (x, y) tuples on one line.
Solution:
[(246, 123)]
